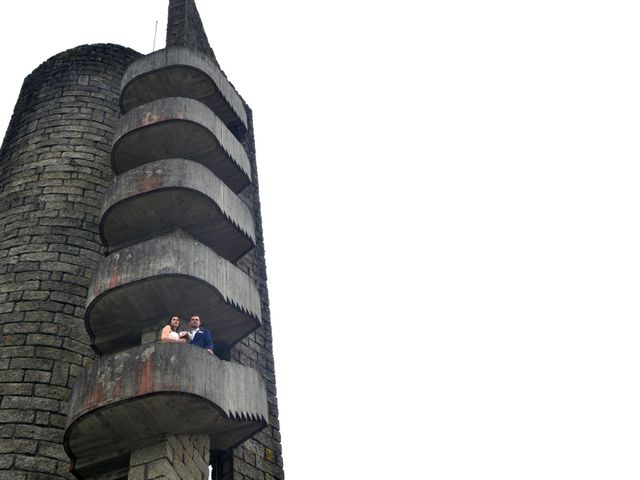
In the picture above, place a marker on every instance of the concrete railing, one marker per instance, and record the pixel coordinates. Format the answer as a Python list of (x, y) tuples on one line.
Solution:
[(138, 288), (182, 72), (183, 128), (127, 400), (161, 196)]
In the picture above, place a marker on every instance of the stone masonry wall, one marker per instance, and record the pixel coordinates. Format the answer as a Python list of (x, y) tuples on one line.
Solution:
[(54, 169), (259, 458), (178, 457), (185, 29)]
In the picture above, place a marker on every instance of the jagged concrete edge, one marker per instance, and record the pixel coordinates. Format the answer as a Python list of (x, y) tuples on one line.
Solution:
[(185, 57), (229, 201), (185, 110), (253, 295), (229, 372)]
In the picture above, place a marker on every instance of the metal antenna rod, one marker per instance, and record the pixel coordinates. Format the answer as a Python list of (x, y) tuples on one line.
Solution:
[(154, 37)]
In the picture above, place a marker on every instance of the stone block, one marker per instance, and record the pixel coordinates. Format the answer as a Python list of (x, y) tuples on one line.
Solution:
[(45, 340), (16, 416), (14, 475), (42, 418), (6, 461), (35, 464), (29, 403), (52, 450), (9, 340), (16, 389), (153, 452), (37, 376), (39, 433), (50, 391), (18, 446), (12, 375), (29, 363), (162, 469)]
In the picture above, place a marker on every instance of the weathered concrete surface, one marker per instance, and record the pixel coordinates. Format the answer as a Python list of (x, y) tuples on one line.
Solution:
[(138, 288), (182, 72), (132, 398), (183, 128), (159, 197), (185, 29)]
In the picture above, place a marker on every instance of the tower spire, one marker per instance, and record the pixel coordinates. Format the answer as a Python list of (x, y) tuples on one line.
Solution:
[(184, 28)]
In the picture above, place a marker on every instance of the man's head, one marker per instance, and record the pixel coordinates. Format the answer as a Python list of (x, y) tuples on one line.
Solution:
[(194, 321)]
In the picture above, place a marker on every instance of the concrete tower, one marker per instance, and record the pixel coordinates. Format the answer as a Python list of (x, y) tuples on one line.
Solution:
[(128, 193)]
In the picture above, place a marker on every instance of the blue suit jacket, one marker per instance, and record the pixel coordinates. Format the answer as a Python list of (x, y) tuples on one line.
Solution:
[(202, 338)]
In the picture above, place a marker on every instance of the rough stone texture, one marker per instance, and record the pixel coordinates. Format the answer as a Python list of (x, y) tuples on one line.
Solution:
[(175, 457), (184, 28), (54, 169), (260, 457)]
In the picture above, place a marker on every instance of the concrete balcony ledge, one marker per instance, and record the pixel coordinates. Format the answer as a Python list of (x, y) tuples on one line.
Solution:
[(179, 127), (134, 397), (182, 72), (158, 197), (138, 288)]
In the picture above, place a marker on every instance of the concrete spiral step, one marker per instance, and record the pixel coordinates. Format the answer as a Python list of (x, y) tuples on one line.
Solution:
[(138, 288), (161, 196), (183, 72), (183, 128)]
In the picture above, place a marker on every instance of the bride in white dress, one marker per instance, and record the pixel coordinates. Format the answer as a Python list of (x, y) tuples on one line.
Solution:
[(170, 332)]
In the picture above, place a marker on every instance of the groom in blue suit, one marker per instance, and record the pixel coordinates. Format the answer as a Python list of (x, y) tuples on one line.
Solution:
[(200, 336)]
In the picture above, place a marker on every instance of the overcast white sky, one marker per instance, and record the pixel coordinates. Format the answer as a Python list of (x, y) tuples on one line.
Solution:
[(451, 206)]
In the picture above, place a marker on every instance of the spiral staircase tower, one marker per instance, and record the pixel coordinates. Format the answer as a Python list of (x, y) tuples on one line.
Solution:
[(180, 229)]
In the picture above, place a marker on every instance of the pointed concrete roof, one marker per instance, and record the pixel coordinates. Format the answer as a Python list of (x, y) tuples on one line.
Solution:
[(184, 28)]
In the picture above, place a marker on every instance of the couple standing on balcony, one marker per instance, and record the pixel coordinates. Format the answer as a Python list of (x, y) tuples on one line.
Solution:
[(195, 335)]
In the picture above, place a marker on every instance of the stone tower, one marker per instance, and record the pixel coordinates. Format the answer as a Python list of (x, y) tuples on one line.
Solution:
[(129, 193)]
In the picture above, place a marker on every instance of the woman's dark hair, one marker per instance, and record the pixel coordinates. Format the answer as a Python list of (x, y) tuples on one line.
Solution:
[(171, 318)]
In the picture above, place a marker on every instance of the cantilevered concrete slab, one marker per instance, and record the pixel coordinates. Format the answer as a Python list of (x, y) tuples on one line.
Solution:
[(182, 72), (138, 288), (158, 197), (179, 127), (134, 397)]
